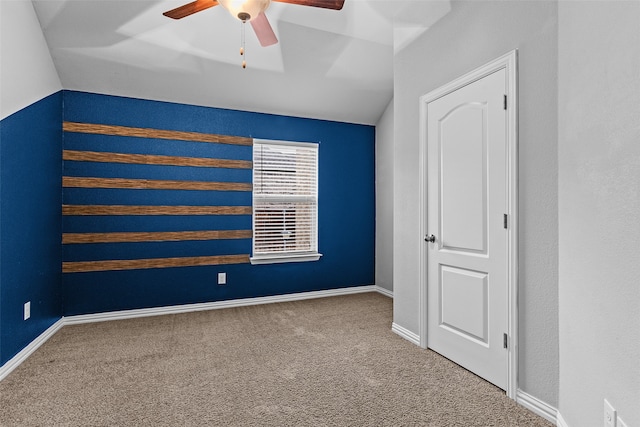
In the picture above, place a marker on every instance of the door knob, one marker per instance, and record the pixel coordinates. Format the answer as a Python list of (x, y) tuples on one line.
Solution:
[(430, 238)]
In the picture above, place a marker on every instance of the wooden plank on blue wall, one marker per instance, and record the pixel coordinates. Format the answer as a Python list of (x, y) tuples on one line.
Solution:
[(140, 264), (155, 236), (147, 159), (154, 133), (106, 210), (123, 183)]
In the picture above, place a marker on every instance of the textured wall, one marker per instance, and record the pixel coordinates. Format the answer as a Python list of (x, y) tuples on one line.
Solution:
[(599, 157), (472, 34), (30, 252), (27, 73), (30, 140), (384, 199), (346, 206)]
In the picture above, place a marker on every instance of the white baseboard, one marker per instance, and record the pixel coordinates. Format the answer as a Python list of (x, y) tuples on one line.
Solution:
[(384, 291), (537, 406), (406, 334), (187, 308), (561, 422), (16, 360)]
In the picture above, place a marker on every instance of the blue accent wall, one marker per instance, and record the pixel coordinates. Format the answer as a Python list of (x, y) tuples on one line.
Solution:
[(346, 206), (30, 222)]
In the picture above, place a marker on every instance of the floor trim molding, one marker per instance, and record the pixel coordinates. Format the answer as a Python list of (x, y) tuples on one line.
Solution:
[(406, 334), (537, 406), (384, 291), (216, 305), (561, 422), (16, 360)]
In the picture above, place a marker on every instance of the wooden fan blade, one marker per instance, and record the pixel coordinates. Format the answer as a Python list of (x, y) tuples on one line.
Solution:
[(325, 4), (263, 30), (190, 8)]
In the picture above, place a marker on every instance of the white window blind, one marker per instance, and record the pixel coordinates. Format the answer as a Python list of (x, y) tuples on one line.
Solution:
[(285, 201)]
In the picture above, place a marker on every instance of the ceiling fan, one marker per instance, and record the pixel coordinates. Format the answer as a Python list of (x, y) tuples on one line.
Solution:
[(251, 11)]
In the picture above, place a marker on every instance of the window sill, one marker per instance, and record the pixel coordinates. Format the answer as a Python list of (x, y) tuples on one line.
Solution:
[(277, 259)]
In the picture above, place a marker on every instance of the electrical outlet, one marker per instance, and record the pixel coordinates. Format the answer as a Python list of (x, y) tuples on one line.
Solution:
[(222, 278), (621, 423), (609, 415), (27, 310)]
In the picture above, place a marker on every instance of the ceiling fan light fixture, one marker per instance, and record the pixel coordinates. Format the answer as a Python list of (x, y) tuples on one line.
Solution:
[(241, 8)]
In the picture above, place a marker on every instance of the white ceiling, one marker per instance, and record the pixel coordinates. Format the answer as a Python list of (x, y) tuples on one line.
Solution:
[(334, 65)]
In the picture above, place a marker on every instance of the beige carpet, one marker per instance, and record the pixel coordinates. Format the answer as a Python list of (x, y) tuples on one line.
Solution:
[(324, 362)]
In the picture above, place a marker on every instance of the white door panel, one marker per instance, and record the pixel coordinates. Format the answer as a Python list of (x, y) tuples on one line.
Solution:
[(463, 178), (467, 198), (464, 302)]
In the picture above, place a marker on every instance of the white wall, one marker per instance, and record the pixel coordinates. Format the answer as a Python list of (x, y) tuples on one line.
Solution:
[(384, 199), (599, 190), (27, 73), (472, 34)]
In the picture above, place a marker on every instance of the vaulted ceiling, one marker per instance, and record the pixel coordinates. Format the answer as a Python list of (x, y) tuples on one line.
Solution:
[(334, 65)]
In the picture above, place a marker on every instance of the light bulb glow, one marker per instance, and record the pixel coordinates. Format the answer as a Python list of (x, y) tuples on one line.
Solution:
[(252, 7)]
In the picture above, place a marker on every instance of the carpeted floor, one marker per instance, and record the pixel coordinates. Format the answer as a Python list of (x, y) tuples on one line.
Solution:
[(323, 362)]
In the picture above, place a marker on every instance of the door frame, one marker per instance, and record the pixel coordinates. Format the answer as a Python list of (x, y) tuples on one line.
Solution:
[(509, 63)]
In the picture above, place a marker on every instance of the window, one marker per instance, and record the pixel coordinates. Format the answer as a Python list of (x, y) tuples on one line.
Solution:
[(285, 202)]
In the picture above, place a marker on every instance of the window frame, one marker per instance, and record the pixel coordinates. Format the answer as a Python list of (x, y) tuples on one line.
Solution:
[(285, 256)]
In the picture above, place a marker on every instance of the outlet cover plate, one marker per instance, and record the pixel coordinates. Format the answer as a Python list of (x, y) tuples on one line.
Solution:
[(27, 310), (222, 278), (609, 415)]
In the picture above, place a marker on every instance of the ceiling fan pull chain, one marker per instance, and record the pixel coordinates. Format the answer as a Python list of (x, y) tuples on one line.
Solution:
[(243, 17)]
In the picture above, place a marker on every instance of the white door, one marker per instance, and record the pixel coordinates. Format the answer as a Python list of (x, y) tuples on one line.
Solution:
[(467, 267)]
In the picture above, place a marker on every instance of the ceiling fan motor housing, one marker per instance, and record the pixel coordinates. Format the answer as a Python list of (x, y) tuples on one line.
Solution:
[(245, 10)]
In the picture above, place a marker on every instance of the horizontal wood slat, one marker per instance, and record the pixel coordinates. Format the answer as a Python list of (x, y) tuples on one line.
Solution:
[(139, 264), (150, 184), (81, 210), (154, 133), (148, 159), (168, 236)]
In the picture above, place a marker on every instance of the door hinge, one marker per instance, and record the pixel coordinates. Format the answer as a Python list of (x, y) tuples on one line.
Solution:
[(505, 223), (505, 340), (505, 102)]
